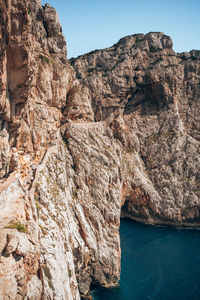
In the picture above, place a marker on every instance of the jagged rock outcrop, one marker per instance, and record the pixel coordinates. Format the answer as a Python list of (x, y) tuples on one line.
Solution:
[(119, 135), (35, 79), (59, 170), (150, 97)]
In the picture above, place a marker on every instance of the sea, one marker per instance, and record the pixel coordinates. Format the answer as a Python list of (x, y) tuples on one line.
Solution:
[(158, 263)]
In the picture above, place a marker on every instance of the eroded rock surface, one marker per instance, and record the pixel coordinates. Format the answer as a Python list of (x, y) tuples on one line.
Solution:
[(34, 82), (60, 171), (117, 135), (150, 96)]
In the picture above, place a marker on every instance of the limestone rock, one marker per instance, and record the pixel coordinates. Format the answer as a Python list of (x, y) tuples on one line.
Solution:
[(149, 96), (118, 135), (34, 82)]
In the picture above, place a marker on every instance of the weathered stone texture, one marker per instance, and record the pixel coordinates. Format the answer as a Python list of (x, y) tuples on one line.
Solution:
[(117, 135), (34, 82), (149, 96)]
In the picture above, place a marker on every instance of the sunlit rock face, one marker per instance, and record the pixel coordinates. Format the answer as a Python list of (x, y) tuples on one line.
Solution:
[(115, 134), (34, 82), (149, 96), (60, 183)]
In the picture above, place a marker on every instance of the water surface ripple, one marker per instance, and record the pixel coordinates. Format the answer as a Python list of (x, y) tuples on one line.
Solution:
[(158, 263)]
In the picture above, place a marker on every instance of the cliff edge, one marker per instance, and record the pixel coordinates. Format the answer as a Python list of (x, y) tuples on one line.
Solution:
[(116, 133), (149, 96)]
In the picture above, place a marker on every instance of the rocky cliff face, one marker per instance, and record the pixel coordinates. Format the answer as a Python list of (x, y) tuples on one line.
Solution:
[(35, 79), (59, 189), (149, 96), (118, 136)]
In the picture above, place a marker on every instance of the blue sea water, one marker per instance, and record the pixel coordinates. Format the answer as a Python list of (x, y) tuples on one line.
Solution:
[(158, 263)]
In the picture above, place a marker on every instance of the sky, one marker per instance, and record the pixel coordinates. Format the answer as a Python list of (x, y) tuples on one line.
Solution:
[(97, 24)]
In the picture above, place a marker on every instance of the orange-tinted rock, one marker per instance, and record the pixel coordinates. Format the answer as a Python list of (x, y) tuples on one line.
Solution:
[(116, 135), (149, 96)]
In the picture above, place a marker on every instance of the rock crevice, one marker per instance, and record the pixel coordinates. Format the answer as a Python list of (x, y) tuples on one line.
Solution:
[(116, 133)]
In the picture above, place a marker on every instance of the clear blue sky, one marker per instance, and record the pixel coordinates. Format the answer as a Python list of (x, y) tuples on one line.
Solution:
[(97, 24)]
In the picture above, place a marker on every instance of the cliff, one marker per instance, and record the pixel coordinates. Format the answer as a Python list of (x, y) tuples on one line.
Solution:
[(115, 134), (57, 227), (149, 96)]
